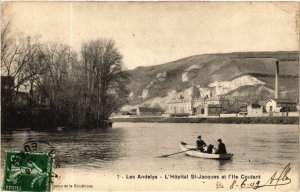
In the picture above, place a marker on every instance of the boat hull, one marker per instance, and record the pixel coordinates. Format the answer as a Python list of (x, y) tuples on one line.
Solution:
[(194, 153)]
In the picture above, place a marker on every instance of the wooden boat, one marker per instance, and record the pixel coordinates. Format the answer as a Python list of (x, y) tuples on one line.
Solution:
[(194, 153)]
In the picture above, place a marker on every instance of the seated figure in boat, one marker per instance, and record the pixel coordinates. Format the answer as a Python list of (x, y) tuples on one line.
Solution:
[(209, 149), (221, 147), (200, 144)]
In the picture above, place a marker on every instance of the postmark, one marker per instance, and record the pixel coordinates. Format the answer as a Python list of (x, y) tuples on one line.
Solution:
[(38, 146), (24, 171), (42, 147)]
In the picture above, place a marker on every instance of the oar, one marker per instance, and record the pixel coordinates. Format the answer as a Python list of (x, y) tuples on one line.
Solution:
[(176, 153)]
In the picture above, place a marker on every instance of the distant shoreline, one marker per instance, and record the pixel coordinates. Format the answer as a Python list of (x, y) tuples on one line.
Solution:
[(225, 120)]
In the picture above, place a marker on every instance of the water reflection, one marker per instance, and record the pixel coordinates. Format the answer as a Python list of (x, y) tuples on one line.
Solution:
[(222, 164), (80, 147), (135, 146)]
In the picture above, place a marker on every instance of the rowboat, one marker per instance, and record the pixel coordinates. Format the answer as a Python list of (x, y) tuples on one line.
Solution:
[(195, 153)]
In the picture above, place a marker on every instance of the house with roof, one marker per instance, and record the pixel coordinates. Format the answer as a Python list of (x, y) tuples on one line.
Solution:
[(183, 105), (7, 86), (209, 110), (7, 83), (211, 106), (149, 111), (255, 110), (179, 105), (242, 112), (280, 105), (194, 104), (275, 106)]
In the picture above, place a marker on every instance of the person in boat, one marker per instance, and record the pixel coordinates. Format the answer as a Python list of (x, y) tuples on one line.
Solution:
[(209, 149), (221, 147), (200, 144)]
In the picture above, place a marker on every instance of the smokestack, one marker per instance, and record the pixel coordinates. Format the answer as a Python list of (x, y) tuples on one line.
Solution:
[(276, 79)]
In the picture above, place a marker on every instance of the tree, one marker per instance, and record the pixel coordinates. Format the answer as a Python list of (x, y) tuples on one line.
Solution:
[(80, 92), (18, 60), (55, 81), (105, 79)]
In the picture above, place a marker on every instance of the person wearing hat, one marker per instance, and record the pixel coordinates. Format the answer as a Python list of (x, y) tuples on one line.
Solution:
[(221, 147), (200, 144)]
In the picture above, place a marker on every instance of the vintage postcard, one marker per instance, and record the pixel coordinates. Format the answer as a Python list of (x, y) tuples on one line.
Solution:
[(149, 96)]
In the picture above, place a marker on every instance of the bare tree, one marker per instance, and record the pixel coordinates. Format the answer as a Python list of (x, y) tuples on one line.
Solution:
[(80, 92), (18, 59), (105, 78), (55, 81), (5, 39)]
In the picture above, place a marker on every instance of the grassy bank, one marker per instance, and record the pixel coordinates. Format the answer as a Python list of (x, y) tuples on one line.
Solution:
[(233, 120)]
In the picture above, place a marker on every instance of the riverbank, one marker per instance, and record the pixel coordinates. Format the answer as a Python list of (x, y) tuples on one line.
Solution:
[(226, 120)]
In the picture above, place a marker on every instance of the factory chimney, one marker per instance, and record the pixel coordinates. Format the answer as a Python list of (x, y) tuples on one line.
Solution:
[(276, 79)]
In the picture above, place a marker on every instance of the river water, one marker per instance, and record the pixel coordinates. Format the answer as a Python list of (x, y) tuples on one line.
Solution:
[(135, 147)]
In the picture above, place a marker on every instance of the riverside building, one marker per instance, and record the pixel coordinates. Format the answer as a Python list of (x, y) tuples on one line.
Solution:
[(195, 104)]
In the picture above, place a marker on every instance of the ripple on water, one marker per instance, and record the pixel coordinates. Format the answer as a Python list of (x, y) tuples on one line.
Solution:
[(135, 146)]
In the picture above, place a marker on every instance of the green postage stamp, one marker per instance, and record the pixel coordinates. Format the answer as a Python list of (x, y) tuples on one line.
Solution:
[(25, 171)]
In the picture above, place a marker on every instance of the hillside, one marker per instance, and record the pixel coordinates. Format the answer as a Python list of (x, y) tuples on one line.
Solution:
[(230, 74)]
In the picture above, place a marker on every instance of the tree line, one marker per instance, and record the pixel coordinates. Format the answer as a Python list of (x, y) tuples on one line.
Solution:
[(81, 87)]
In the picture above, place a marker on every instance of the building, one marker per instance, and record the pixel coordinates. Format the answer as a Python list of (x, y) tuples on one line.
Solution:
[(183, 105), (133, 111), (7, 87), (243, 112), (215, 100), (255, 110), (7, 83), (179, 106), (277, 105), (194, 104), (148, 111), (209, 110), (280, 105), (212, 106)]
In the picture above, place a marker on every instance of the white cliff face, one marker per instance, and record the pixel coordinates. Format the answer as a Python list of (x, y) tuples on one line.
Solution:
[(226, 86), (164, 74), (163, 101), (205, 91), (151, 84), (191, 72), (145, 94), (172, 93), (213, 89), (186, 76), (160, 77), (195, 66), (130, 95)]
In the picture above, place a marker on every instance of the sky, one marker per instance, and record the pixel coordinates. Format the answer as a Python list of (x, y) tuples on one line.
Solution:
[(154, 33)]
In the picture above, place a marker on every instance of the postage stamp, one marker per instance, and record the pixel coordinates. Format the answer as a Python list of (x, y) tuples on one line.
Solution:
[(25, 171)]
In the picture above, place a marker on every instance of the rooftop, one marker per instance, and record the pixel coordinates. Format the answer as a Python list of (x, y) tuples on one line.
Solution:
[(214, 106), (283, 100), (148, 109), (255, 105), (216, 98)]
